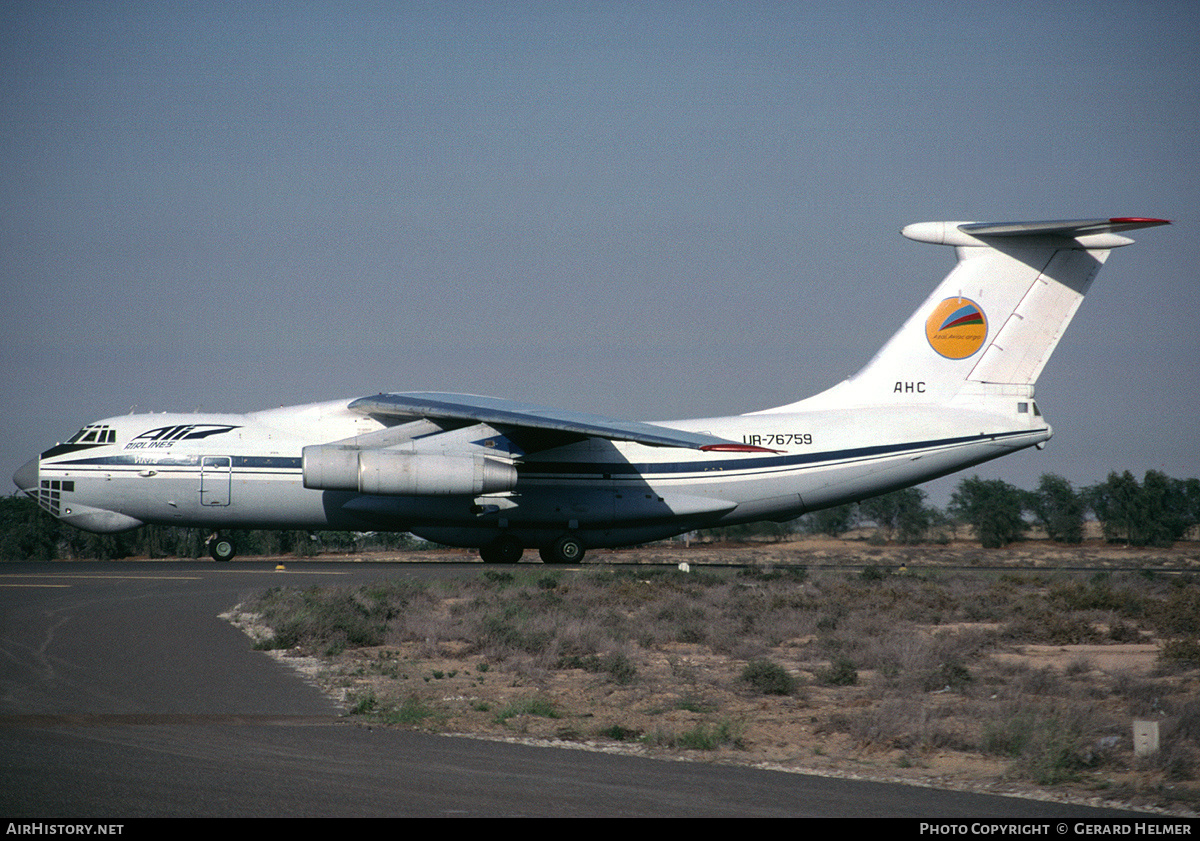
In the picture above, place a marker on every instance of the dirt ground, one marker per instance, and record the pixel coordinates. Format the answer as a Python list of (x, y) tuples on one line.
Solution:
[(687, 689)]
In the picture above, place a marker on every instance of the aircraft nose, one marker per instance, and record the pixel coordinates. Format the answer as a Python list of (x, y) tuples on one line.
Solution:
[(26, 477)]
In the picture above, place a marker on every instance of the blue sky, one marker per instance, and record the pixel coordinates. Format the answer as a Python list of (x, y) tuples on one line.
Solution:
[(651, 211)]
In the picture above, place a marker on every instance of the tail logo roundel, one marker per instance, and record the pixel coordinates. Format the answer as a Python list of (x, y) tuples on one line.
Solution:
[(956, 328)]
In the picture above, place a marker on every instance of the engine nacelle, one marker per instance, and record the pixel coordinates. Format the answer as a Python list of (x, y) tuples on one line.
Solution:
[(398, 473)]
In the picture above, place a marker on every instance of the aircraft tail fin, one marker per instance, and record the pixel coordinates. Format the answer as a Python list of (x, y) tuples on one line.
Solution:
[(991, 325)]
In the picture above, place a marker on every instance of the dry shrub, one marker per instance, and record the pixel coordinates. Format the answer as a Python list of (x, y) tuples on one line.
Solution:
[(1179, 614), (1049, 628), (1049, 742), (901, 722)]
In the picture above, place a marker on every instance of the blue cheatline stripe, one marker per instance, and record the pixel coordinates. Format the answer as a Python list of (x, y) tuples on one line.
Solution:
[(766, 462), (588, 468), (267, 462)]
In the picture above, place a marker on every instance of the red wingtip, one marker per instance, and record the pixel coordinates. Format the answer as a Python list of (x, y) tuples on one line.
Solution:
[(1138, 220)]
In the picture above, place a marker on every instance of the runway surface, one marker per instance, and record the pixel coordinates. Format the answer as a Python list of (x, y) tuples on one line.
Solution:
[(124, 695)]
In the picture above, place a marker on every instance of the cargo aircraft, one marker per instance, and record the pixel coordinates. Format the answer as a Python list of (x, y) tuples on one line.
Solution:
[(953, 388)]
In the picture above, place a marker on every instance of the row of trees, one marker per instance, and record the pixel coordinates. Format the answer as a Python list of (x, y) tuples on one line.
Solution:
[(1157, 511)]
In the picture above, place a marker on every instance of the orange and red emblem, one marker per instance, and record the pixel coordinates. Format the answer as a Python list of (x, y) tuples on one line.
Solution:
[(956, 328)]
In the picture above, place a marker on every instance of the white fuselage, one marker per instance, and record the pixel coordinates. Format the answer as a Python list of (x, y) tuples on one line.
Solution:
[(223, 471)]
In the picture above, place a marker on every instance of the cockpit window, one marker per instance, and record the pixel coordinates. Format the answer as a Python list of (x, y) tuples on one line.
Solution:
[(94, 434)]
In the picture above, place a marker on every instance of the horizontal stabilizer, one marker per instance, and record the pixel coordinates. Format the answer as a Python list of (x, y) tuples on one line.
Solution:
[(1067, 228), (1068, 233)]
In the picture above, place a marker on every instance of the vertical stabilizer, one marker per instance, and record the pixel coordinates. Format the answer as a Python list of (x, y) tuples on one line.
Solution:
[(991, 325)]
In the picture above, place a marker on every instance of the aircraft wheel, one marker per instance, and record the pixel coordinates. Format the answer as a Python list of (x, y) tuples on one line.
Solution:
[(505, 549), (565, 550), (222, 549)]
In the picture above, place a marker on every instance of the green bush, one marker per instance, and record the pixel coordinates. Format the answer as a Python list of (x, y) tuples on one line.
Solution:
[(706, 736), (768, 678), (953, 675), (619, 734), (617, 665), (841, 672)]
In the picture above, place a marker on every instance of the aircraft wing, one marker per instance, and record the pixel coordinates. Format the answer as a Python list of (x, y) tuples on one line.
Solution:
[(435, 406)]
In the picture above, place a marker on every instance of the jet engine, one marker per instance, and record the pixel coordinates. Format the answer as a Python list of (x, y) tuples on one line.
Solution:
[(400, 473)]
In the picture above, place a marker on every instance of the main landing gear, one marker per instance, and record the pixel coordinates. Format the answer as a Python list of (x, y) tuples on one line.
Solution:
[(565, 550), (221, 548), (506, 549)]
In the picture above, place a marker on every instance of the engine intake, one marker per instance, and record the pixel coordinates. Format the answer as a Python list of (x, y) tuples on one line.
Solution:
[(398, 473)]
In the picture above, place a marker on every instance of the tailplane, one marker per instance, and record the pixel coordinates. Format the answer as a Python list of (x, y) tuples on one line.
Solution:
[(991, 325)]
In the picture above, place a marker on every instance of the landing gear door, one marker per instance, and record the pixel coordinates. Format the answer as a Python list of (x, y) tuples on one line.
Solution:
[(215, 473)]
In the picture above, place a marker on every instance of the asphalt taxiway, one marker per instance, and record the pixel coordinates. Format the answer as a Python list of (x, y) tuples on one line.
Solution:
[(123, 694)]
